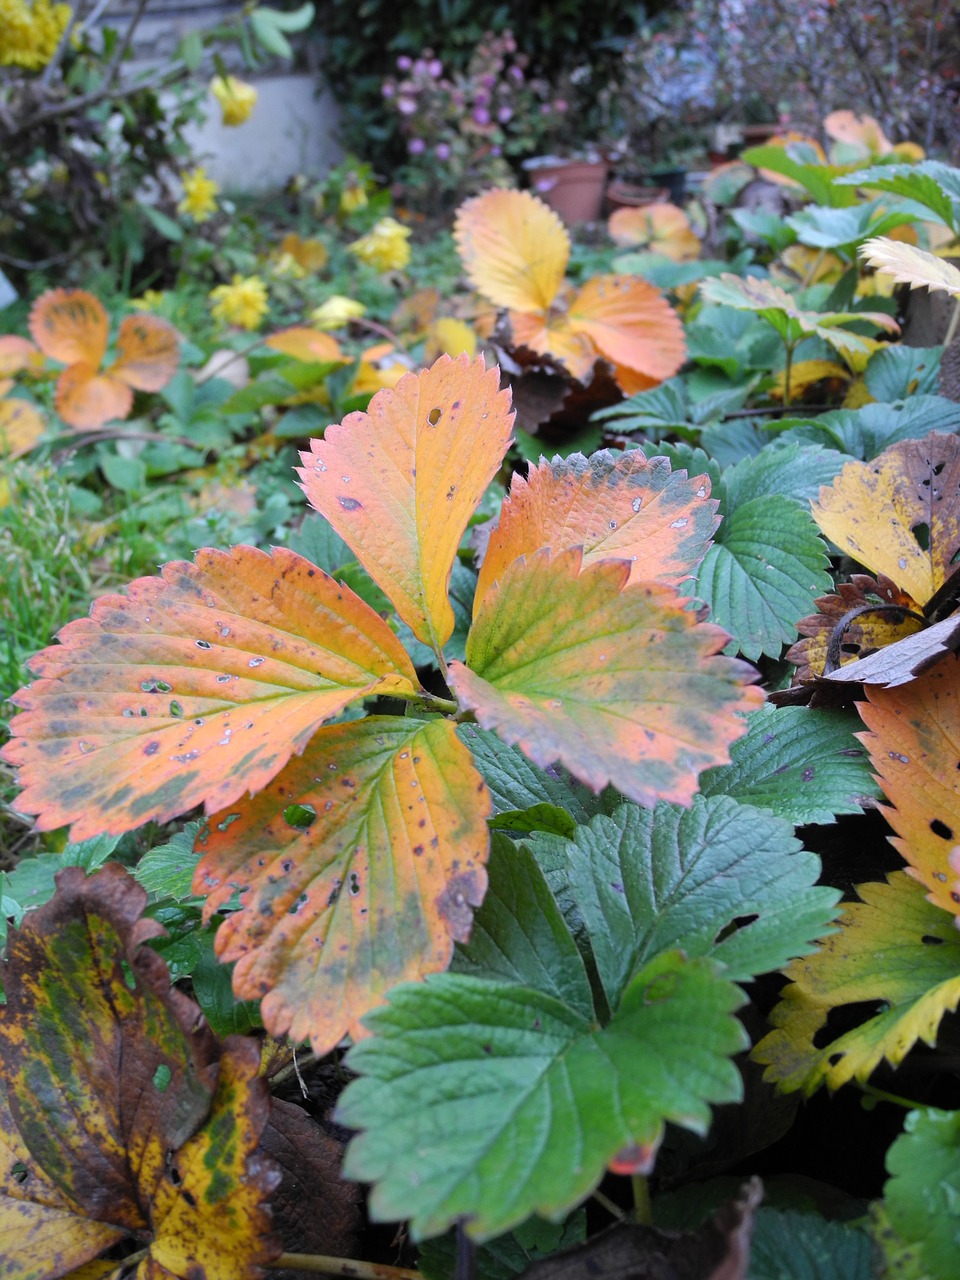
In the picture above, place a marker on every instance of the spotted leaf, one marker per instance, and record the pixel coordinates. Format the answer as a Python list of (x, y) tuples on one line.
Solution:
[(195, 687), (620, 685), (618, 505), (400, 482), (357, 869)]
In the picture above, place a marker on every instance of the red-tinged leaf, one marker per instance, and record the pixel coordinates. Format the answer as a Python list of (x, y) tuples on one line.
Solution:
[(195, 687), (87, 400), (148, 353), (631, 324), (372, 893), (70, 325), (400, 482), (913, 739), (864, 615), (612, 505), (117, 1108), (620, 685)]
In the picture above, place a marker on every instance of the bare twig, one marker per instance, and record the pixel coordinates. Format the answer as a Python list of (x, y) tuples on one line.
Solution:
[(50, 70), (123, 48)]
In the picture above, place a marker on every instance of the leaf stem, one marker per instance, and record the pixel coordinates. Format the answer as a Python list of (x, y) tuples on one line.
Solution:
[(321, 1264), (642, 1209), (786, 374), (613, 1209), (881, 1095), (434, 702)]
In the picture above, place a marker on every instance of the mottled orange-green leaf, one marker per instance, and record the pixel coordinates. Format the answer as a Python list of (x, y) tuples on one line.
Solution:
[(864, 631), (70, 325), (631, 324), (513, 247), (400, 482), (914, 746), (107, 1079), (17, 354), (195, 687), (21, 426), (619, 683), (373, 892), (207, 1214), (612, 504), (148, 353), (899, 514), (896, 954)]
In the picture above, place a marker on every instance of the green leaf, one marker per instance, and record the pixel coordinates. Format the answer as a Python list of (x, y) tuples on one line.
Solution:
[(475, 1094), (863, 433), (734, 341), (31, 882), (804, 765), (774, 230), (290, 21), (167, 871), (268, 33), (169, 229), (789, 470), (896, 372), (922, 1198), (320, 543), (818, 179), (789, 1245), (519, 935), (825, 228), (930, 183), (539, 817), (213, 992), (516, 783), (763, 574), (896, 952), (645, 881), (664, 272)]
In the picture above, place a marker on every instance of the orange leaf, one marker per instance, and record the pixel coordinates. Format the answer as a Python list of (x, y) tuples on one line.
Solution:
[(551, 334), (631, 324), (21, 426), (195, 687), (86, 399), (862, 131), (621, 686), (663, 228), (70, 325), (914, 732), (148, 353), (400, 482), (514, 248), (611, 505), (373, 892), (306, 344), (899, 515), (17, 354)]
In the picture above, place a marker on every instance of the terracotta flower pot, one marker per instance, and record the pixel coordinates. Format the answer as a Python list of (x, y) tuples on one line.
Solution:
[(573, 188)]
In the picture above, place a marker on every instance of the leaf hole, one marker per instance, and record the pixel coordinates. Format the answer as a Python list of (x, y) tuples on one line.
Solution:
[(845, 1018), (300, 816), (353, 884), (941, 829), (931, 940), (434, 416), (173, 1173), (162, 1077), (20, 1172), (176, 709), (921, 533), (129, 978)]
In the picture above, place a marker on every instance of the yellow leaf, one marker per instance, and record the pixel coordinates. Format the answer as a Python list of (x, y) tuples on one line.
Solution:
[(514, 249), (910, 265)]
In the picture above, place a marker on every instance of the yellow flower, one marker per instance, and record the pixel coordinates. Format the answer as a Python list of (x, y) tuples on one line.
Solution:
[(352, 199), (385, 247), (237, 99), (199, 195), (243, 302), (287, 267), (149, 300), (30, 32), (337, 312), (448, 336)]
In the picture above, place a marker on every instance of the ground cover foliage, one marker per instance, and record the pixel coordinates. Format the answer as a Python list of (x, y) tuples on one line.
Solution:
[(546, 760)]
